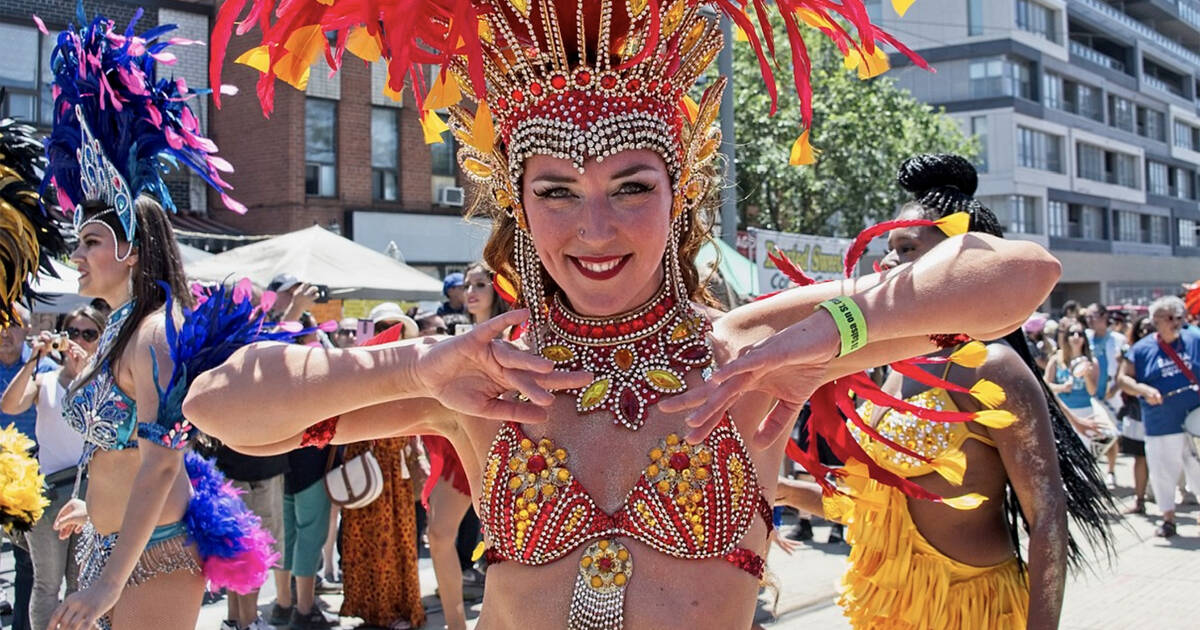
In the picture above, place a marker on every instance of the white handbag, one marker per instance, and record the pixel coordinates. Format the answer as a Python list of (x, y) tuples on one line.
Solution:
[(356, 482)]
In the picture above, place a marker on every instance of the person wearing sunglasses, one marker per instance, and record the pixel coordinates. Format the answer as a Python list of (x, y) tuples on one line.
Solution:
[(59, 448), (1160, 369), (1071, 372)]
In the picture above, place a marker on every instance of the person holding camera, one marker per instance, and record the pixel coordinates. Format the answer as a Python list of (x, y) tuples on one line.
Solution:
[(59, 449)]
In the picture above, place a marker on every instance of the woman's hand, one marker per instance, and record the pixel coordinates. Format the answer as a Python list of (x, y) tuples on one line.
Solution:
[(40, 347), (788, 366), (71, 518), (469, 373), (82, 609), (75, 359)]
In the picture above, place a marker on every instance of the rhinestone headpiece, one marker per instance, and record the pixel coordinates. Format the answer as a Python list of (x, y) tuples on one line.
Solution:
[(584, 80)]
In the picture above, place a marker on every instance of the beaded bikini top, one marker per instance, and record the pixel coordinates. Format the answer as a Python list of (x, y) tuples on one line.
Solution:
[(938, 441), (100, 411), (690, 501)]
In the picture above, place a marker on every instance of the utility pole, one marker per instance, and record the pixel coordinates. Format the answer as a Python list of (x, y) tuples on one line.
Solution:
[(729, 214)]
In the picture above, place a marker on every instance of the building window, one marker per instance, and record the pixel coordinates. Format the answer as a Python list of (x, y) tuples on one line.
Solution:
[(1056, 218), (1110, 167), (1186, 136), (979, 129), (1121, 113), (385, 153), (1071, 96), (1052, 90), (1037, 19), (1183, 183), (1159, 229), (1152, 124), (1129, 227), (1157, 178), (443, 156), (1000, 77), (1040, 150), (1089, 162), (320, 147), (1085, 222), (1187, 233), (1023, 214), (25, 74), (974, 17), (1088, 102)]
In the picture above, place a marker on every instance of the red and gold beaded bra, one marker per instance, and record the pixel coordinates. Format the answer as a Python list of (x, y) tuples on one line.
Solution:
[(636, 358)]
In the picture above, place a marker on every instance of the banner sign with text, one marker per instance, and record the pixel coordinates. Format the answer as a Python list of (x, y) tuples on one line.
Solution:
[(821, 257)]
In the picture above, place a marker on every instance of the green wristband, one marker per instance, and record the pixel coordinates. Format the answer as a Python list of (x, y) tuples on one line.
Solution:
[(851, 325)]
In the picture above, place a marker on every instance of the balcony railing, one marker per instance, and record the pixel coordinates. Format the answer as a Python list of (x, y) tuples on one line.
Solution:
[(1159, 84), (1143, 30), (1189, 10), (1095, 56)]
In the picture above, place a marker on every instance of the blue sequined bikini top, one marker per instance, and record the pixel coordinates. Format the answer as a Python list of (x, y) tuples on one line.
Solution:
[(100, 411)]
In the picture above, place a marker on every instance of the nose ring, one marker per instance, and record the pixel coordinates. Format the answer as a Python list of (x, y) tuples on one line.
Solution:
[(581, 232)]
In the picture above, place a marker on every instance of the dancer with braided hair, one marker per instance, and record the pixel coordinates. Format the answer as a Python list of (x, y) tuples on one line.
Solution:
[(917, 564), (602, 508)]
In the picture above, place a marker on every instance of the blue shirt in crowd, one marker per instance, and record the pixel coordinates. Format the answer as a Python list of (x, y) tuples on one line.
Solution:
[(26, 421), (1155, 368)]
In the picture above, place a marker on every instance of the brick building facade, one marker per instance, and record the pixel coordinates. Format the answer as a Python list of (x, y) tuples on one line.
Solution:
[(372, 169)]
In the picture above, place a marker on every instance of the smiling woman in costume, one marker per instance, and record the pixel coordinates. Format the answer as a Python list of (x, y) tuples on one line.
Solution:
[(151, 516), (601, 509)]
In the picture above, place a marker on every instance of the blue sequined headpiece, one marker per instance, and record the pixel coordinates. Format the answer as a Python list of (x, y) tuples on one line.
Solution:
[(117, 126)]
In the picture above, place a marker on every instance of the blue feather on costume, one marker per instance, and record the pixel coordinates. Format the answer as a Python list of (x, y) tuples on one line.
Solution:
[(143, 122), (224, 320)]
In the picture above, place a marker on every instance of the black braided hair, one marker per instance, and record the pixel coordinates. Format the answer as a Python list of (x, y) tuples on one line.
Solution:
[(941, 185)]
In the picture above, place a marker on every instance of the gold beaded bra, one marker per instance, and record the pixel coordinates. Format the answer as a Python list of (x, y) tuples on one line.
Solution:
[(936, 441)]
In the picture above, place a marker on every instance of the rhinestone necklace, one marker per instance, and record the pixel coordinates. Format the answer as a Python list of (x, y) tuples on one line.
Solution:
[(637, 357)]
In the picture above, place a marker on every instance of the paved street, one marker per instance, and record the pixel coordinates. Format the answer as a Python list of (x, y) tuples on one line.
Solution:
[(1153, 583)]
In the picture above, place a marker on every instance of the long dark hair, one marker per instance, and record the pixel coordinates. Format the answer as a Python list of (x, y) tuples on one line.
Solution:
[(158, 261), (499, 306), (942, 185)]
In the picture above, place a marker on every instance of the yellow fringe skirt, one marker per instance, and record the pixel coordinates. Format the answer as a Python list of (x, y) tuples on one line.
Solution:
[(897, 580)]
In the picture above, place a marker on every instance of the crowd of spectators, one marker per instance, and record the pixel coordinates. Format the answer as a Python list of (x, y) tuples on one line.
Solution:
[(1126, 376)]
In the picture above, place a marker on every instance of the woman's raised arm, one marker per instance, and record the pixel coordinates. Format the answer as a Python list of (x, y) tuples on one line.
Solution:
[(267, 393), (951, 289)]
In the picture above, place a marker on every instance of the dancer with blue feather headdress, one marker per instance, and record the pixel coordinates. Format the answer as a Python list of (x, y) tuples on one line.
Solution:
[(157, 517)]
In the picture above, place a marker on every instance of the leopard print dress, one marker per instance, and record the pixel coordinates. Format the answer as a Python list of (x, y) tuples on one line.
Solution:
[(379, 546)]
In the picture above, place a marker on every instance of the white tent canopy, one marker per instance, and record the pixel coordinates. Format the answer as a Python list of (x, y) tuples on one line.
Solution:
[(318, 256), (61, 292)]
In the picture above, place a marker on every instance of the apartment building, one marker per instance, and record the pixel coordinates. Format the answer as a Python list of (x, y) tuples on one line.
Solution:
[(1089, 119)]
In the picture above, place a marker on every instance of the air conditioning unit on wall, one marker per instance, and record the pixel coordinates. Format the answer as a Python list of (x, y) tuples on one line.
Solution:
[(450, 196)]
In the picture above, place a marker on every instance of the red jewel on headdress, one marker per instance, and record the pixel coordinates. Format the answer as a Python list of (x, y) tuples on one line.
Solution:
[(502, 103), (535, 89), (680, 461), (654, 85), (633, 85), (518, 95), (583, 78), (608, 82), (558, 81), (536, 464)]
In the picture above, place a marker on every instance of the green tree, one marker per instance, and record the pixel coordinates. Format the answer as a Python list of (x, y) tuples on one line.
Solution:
[(863, 130)]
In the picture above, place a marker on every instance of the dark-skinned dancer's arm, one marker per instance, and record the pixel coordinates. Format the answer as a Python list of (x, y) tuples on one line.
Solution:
[(1027, 450), (288, 388), (948, 290)]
